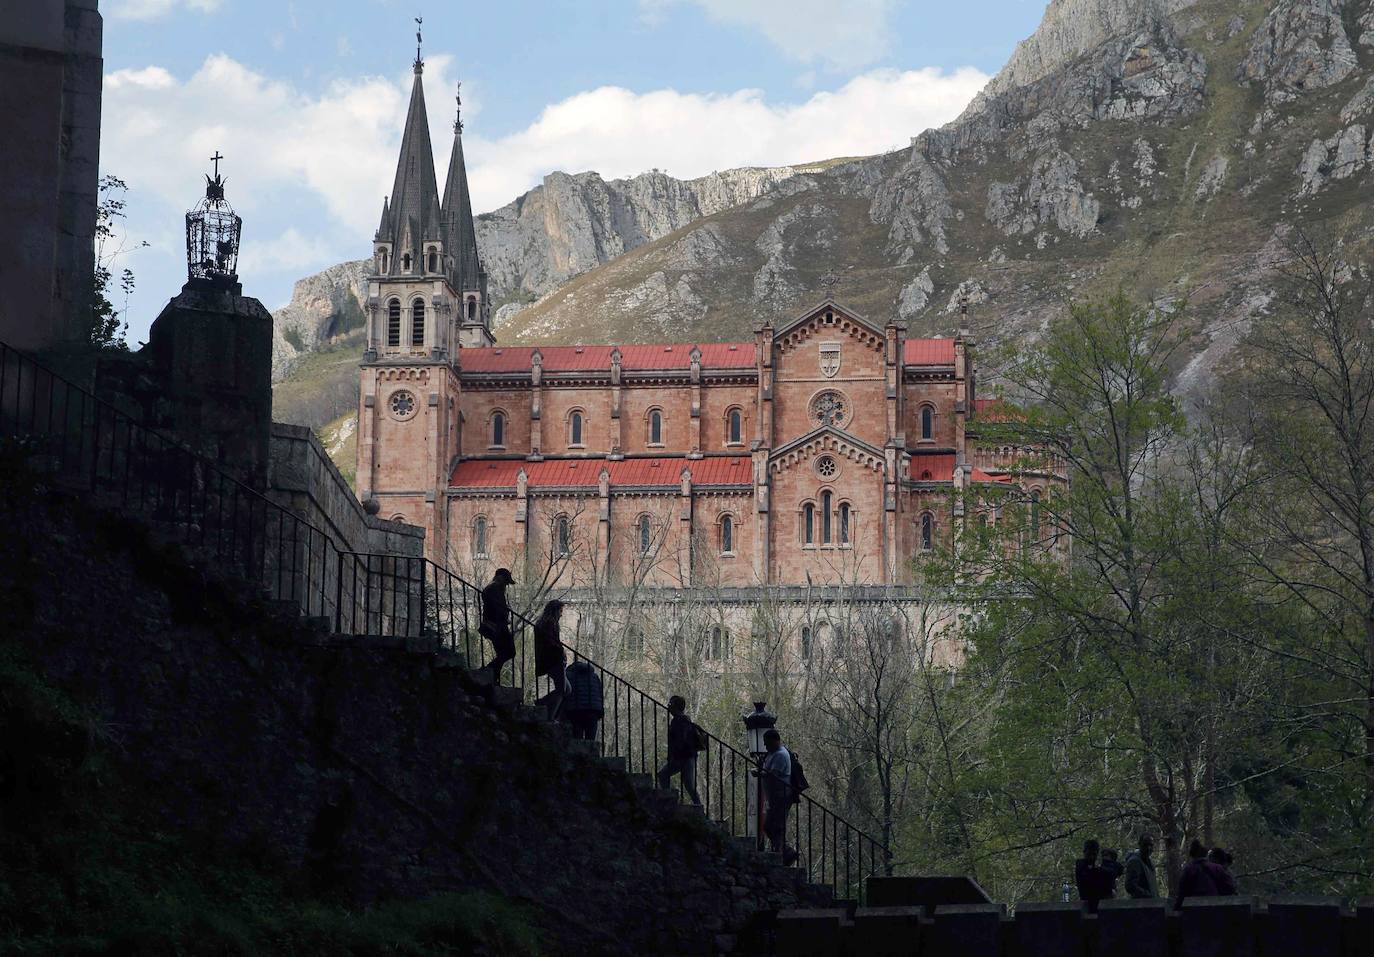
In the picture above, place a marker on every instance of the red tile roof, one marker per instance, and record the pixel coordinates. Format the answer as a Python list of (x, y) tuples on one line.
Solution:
[(643, 358), (940, 468), (665, 470), (928, 352), (993, 410), (714, 355)]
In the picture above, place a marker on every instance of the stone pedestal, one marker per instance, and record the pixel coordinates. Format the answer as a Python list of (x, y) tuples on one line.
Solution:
[(1217, 927), (1132, 928), (210, 351), (1052, 928)]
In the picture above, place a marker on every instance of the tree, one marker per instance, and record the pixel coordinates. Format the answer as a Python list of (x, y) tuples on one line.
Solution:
[(108, 324)]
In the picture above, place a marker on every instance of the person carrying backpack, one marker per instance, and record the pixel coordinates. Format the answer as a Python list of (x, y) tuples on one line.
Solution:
[(586, 703), (495, 625), (549, 657), (682, 750), (778, 793)]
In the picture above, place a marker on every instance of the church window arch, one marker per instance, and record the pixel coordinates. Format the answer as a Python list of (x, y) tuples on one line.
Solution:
[(734, 426), (808, 523), (472, 308), (654, 421), (480, 529), (576, 427), (405, 262), (846, 519), (634, 640), (927, 423), (381, 261), (498, 429), (827, 500), (644, 534), (562, 541), (806, 642), (417, 322), (727, 534), (1035, 516), (433, 259), (927, 531), (717, 643), (393, 323), (398, 517)]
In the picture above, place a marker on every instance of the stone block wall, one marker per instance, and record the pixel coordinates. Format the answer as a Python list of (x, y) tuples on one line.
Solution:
[(303, 478), (1204, 927)]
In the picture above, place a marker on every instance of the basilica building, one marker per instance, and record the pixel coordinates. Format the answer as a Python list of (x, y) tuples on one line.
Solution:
[(825, 453)]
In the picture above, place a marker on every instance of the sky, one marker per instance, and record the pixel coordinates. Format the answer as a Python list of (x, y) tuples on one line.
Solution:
[(305, 99)]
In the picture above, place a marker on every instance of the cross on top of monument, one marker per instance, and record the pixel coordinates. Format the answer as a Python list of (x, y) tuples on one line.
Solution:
[(216, 158)]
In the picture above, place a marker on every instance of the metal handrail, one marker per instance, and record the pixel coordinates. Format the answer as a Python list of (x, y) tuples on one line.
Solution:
[(91, 445)]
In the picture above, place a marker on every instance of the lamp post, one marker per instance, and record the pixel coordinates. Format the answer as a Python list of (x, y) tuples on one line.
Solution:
[(756, 722)]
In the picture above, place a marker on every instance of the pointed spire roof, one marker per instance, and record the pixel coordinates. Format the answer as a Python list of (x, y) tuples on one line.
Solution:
[(459, 232), (415, 192)]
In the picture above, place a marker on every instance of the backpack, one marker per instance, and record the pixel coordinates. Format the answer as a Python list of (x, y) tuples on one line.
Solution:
[(798, 780), (702, 739)]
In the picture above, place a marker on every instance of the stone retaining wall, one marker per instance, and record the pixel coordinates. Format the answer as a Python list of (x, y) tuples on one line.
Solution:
[(1205, 927)]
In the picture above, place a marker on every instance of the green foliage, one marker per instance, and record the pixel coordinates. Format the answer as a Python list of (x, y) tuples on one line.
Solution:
[(87, 870), (108, 324)]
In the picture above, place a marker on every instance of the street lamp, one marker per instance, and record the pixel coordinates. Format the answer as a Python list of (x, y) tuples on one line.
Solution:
[(756, 723)]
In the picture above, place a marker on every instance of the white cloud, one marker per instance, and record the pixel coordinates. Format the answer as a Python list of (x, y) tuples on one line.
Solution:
[(842, 33), (619, 133), (156, 9)]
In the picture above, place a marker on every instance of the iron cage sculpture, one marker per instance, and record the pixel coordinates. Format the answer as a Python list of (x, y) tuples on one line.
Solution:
[(213, 230)]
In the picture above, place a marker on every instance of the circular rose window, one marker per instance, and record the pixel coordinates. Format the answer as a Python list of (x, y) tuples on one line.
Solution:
[(402, 404), (827, 467), (830, 408)]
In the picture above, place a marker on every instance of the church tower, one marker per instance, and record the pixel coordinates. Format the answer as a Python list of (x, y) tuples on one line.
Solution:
[(426, 298)]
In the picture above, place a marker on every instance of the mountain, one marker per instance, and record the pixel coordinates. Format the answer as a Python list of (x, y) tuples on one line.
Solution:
[(556, 231), (1162, 147)]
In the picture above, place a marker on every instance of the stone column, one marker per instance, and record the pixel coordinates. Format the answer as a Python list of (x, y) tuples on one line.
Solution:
[(685, 522), (696, 404), (536, 401)]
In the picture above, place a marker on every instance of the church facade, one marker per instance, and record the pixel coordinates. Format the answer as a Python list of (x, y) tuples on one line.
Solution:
[(826, 452)]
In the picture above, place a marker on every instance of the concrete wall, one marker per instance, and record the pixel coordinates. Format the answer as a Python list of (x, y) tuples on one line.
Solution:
[(303, 478), (50, 86), (1239, 926)]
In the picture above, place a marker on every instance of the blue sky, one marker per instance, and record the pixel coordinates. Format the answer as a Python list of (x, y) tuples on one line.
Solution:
[(306, 99)]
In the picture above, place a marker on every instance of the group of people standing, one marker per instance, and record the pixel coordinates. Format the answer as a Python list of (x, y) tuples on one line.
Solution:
[(577, 697), (1207, 873)]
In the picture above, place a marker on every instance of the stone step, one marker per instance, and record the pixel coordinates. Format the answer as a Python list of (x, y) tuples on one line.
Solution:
[(614, 762), (820, 894), (320, 624), (585, 748), (642, 782)]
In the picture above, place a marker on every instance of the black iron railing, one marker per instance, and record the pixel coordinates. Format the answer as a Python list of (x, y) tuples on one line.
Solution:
[(91, 446)]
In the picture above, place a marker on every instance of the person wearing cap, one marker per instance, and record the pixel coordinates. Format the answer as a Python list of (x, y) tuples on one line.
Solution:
[(495, 625)]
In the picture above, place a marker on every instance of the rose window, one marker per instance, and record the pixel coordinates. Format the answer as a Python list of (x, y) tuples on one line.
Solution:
[(402, 404), (826, 467), (830, 408)]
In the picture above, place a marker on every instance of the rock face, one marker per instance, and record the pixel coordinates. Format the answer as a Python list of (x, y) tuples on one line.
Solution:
[(322, 306), (1154, 146)]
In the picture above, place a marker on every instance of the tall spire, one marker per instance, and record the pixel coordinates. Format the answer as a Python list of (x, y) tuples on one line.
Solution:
[(460, 233), (413, 216)]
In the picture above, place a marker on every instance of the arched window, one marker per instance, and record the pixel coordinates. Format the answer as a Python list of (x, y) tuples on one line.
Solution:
[(825, 518), (655, 427), (472, 309), (575, 429), (417, 322), (433, 260), (716, 643), (646, 536), (498, 428), (634, 640), (479, 537), (808, 524), (1035, 516), (405, 262), (927, 422), (735, 427), (564, 537), (381, 261), (844, 523), (927, 531), (727, 534), (393, 323), (806, 642)]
